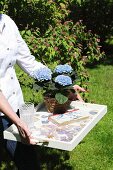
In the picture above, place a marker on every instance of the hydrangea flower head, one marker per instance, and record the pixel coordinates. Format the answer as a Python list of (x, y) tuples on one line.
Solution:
[(43, 74), (63, 69), (63, 80)]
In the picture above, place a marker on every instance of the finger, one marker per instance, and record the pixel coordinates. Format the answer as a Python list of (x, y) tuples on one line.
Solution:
[(81, 89), (28, 139), (24, 134), (76, 87), (25, 137), (79, 97), (21, 132), (34, 141), (40, 141)]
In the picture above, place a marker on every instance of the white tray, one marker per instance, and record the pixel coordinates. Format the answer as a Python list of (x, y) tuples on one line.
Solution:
[(65, 137)]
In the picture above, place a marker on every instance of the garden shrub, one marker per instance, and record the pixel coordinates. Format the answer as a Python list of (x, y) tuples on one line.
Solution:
[(65, 43), (32, 14), (96, 15)]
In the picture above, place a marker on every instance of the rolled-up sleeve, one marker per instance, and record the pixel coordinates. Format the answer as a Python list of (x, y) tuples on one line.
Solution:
[(24, 58)]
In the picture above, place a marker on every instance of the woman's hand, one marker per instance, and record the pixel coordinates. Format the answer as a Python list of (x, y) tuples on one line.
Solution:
[(78, 89), (76, 96), (25, 134)]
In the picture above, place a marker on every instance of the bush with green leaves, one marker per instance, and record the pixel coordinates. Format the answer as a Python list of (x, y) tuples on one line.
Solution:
[(42, 13), (32, 14), (66, 43), (96, 15), (3, 5)]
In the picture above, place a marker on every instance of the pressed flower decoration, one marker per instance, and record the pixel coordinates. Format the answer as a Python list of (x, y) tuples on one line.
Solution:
[(57, 83)]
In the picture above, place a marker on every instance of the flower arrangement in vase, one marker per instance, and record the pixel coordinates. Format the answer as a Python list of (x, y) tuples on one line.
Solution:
[(57, 86)]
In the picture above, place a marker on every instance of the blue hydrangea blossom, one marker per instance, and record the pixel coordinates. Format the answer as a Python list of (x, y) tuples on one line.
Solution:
[(63, 69), (43, 74), (63, 80)]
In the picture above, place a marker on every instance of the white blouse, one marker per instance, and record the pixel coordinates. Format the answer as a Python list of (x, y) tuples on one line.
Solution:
[(13, 50)]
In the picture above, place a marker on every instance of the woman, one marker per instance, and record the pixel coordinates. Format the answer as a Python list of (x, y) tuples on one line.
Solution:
[(13, 50)]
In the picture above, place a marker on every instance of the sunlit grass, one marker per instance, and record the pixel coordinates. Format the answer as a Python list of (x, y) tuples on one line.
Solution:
[(96, 150)]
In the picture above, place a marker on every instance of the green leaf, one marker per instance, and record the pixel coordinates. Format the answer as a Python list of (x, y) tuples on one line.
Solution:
[(36, 87), (61, 98)]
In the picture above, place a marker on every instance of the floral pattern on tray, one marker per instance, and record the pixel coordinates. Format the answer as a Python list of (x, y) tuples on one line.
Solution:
[(46, 129)]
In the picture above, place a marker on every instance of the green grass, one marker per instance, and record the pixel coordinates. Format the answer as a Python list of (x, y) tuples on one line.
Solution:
[(95, 152)]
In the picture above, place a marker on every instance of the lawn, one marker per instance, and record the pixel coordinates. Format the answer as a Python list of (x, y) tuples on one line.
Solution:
[(95, 152)]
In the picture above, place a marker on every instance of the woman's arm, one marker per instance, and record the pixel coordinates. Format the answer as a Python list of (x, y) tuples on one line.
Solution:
[(8, 111)]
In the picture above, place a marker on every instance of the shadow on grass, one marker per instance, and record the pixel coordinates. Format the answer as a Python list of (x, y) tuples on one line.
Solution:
[(50, 159), (5, 162), (53, 159)]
